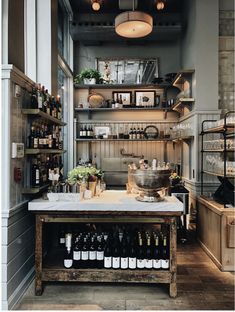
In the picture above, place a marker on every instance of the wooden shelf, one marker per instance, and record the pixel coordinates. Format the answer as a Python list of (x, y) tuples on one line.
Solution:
[(125, 140), (184, 138), (38, 112), (218, 150), (218, 174), (179, 78), (34, 190), (35, 151), (182, 102), (220, 129), (121, 86), (53, 269), (120, 109)]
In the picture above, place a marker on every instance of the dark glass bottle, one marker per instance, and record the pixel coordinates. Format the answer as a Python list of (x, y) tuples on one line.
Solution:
[(165, 262), (108, 254), (92, 253), (156, 254), (116, 253), (148, 254), (33, 99), (132, 256), (35, 174), (31, 137), (100, 253), (68, 259), (77, 253), (84, 253), (124, 253), (140, 255)]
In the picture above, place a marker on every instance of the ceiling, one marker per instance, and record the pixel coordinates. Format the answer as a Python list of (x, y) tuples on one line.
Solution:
[(96, 28)]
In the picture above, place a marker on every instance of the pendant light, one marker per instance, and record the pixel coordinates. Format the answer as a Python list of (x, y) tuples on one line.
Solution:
[(133, 24), (95, 4)]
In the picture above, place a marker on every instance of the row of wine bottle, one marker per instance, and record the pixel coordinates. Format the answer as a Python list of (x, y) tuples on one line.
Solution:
[(121, 250), (40, 99), (45, 136), (43, 168)]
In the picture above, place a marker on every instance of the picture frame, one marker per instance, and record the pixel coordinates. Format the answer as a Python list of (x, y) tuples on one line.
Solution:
[(145, 98), (126, 96), (102, 132)]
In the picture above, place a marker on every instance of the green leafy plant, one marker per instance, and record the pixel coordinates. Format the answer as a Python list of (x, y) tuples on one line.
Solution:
[(82, 173), (88, 74)]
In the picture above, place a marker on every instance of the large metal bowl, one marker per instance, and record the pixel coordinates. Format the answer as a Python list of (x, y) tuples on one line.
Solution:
[(152, 179), (150, 182)]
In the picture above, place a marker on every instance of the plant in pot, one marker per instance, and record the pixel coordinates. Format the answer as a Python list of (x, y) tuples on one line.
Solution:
[(175, 179), (88, 76)]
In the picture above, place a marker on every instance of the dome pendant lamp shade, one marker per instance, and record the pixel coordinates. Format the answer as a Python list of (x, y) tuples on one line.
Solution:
[(133, 24)]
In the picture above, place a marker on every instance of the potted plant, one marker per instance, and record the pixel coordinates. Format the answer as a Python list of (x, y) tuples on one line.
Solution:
[(85, 175), (88, 76)]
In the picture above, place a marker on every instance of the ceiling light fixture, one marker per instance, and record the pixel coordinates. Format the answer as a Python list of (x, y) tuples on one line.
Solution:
[(133, 24), (160, 5), (95, 5)]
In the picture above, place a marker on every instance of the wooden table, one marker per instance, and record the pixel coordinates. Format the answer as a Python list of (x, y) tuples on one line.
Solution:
[(110, 207)]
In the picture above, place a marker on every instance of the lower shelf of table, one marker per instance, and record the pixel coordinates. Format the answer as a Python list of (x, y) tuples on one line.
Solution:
[(106, 275)]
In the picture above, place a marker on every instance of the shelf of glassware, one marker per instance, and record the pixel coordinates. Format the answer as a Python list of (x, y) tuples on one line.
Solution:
[(37, 151)]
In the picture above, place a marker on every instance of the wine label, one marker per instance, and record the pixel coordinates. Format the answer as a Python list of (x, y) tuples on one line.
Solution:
[(39, 102), (165, 263), (124, 263), (132, 263), (35, 142), (108, 262), (156, 263), (100, 255), (92, 255), (77, 255), (68, 240), (68, 263), (140, 263), (116, 262), (62, 240), (84, 255), (148, 263), (41, 141)]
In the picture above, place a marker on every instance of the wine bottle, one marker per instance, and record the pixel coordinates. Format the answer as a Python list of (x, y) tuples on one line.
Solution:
[(35, 174), (77, 253), (68, 240), (131, 134), (84, 254), (81, 132), (124, 253), (134, 134), (31, 137), (156, 254), (165, 254), (108, 254), (116, 254), (39, 96), (140, 255), (68, 259), (62, 236), (132, 256), (100, 253), (148, 255), (92, 253), (33, 99)]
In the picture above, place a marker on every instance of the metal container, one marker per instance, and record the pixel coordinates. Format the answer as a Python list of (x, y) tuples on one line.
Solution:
[(150, 182)]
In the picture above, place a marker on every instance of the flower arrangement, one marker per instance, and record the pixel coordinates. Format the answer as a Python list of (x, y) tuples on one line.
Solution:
[(82, 173), (174, 178)]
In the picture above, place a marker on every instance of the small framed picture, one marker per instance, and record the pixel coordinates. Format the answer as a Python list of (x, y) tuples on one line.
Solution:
[(102, 132), (145, 98), (125, 97)]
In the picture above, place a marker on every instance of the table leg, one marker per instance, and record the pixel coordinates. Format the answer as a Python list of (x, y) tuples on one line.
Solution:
[(173, 262), (38, 256)]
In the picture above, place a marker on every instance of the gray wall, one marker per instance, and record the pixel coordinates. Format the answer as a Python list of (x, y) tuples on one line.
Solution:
[(17, 222), (168, 53)]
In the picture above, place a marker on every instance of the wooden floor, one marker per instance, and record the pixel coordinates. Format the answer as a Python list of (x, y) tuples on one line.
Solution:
[(201, 286)]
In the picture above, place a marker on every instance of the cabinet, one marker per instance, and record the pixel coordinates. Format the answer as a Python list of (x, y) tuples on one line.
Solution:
[(32, 115), (106, 151), (112, 207), (217, 156)]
